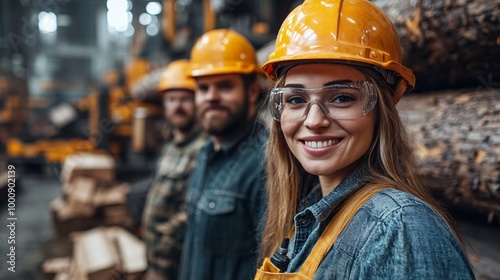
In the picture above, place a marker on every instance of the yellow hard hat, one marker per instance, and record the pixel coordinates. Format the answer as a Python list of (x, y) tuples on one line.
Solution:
[(175, 76), (344, 31), (223, 51)]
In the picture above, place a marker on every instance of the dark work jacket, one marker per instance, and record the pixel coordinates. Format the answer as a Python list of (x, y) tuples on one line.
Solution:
[(225, 204)]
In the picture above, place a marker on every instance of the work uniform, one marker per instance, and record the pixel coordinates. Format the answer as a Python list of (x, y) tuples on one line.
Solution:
[(225, 202), (164, 214), (394, 235)]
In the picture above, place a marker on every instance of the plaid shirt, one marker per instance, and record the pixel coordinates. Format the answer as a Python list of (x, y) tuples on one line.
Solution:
[(164, 214)]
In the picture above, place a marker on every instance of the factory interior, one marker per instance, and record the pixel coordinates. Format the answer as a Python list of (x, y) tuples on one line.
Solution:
[(81, 123)]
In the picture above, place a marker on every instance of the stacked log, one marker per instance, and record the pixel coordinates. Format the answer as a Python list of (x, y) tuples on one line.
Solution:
[(448, 43), (457, 142)]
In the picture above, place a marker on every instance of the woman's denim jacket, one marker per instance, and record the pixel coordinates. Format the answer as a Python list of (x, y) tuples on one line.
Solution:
[(394, 235)]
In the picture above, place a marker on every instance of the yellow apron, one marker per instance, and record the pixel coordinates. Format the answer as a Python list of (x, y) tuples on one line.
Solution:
[(325, 242)]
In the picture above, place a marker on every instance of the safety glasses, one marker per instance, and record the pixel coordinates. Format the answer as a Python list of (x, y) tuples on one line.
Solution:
[(343, 101)]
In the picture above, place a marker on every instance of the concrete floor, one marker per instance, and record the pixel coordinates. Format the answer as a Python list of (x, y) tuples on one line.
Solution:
[(35, 239), (34, 236)]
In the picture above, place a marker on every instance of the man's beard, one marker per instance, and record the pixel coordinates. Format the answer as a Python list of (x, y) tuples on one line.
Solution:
[(183, 121), (225, 125)]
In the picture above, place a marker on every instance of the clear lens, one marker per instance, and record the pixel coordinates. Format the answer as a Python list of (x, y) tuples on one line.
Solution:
[(344, 101)]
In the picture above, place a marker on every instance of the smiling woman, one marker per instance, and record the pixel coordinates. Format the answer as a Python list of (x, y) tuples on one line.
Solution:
[(347, 127), (335, 120)]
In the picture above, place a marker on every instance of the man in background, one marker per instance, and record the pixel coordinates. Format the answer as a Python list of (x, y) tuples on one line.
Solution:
[(226, 197), (164, 214)]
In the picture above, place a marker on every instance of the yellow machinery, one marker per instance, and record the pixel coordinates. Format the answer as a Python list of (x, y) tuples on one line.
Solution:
[(13, 94), (118, 123), (111, 123)]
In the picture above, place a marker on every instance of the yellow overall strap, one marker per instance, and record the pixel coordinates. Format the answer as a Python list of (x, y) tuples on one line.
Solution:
[(335, 227)]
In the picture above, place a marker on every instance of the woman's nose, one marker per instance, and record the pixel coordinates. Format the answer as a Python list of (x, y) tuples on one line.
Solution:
[(316, 117)]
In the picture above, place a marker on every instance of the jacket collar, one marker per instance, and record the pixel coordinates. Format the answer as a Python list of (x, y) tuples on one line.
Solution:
[(322, 207)]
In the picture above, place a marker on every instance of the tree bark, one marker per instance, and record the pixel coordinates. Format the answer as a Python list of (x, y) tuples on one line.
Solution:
[(456, 138), (448, 43)]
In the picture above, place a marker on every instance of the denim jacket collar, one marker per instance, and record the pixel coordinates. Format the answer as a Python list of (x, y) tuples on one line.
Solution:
[(398, 236), (321, 207)]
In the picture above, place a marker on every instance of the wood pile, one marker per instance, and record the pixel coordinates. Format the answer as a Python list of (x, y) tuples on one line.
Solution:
[(457, 142), (90, 196), (448, 43), (101, 253)]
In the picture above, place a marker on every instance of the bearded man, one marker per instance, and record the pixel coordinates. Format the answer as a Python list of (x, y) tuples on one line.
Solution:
[(226, 199)]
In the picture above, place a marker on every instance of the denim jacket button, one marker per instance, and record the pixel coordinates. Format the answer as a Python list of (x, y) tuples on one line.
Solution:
[(303, 221), (211, 205)]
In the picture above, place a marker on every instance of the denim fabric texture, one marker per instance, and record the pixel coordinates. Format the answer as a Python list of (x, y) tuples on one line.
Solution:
[(225, 205), (394, 235)]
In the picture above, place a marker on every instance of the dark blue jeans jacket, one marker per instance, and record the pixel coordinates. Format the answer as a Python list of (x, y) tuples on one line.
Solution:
[(225, 205), (394, 235)]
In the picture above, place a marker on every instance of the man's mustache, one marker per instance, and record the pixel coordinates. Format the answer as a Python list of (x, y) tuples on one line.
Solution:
[(180, 112), (214, 107)]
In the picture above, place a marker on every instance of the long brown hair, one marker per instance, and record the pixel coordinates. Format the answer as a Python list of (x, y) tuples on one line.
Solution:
[(389, 161)]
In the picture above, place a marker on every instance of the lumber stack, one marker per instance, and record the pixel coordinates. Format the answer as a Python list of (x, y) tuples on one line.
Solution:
[(90, 195), (101, 253)]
